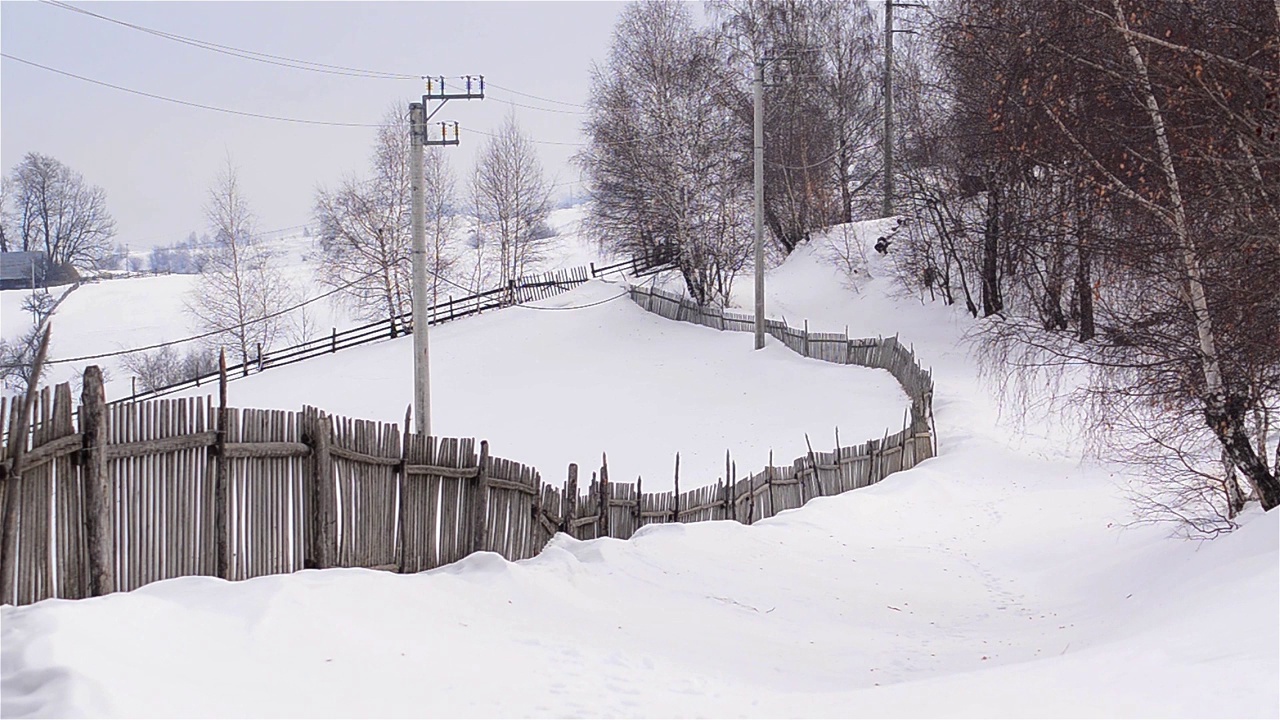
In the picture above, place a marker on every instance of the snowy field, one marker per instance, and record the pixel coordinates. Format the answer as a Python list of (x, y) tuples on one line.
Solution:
[(1003, 578), (109, 316)]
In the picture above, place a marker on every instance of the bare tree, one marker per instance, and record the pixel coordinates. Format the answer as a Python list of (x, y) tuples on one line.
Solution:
[(513, 197), (365, 232), (53, 209), (1123, 161), (240, 291), (442, 221), (665, 154)]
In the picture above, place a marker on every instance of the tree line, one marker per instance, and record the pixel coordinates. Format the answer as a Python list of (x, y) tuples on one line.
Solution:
[(1098, 181), (670, 130)]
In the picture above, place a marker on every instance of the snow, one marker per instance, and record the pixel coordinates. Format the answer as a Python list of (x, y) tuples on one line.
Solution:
[(1004, 577)]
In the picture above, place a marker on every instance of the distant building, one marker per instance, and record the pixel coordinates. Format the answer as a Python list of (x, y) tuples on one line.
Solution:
[(18, 270)]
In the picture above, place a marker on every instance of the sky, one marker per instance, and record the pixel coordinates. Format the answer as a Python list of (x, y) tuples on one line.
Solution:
[(156, 160)]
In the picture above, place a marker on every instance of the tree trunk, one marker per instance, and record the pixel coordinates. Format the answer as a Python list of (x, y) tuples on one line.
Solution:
[(992, 303), (1224, 418), (1227, 423), (1084, 291)]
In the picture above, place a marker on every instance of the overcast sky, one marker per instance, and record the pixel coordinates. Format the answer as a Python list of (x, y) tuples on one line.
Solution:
[(156, 160)]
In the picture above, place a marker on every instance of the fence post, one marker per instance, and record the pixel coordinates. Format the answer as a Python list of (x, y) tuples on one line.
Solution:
[(675, 497), (402, 472), (768, 480), (639, 513), (222, 557), (602, 523), (731, 507), (97, 485), (333, 340), (322, 519), (813, 466), (570, 501), (480, 502)]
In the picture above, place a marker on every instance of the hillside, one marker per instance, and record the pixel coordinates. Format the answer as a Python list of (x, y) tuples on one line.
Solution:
[(1004, 577)]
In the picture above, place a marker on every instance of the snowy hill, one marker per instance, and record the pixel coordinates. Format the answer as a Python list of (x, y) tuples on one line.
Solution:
[(1002, 578)]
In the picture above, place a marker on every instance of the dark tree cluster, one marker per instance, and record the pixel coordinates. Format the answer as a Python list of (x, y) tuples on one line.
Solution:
[(1104, 188)]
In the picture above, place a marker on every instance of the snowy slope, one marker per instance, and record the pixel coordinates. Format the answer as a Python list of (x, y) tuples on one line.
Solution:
[(551, 387), (998, 579)]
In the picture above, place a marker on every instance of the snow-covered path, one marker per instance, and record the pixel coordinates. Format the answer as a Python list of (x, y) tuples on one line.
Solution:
[(998, 579)]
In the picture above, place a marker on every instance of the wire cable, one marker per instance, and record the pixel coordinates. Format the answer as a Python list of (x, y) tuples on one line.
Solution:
[(577, 307), (535, 97), (243, 113), (513, 103), (810, 166), (211, 333), (256, 56)]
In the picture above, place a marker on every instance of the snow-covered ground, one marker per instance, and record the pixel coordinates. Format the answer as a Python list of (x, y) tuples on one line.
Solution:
[(1002, 578), (112, 315)]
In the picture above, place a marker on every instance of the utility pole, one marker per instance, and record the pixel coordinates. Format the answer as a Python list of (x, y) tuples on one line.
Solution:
[(887, 209), (889, 5), (418, 139), (757, 92), (418, 211)]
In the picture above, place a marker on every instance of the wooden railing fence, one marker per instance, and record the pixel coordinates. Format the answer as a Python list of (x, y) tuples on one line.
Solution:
[(111, 498), (526, 289)]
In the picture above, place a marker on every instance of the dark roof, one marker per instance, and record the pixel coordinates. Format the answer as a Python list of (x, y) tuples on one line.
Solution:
[(18, 265)]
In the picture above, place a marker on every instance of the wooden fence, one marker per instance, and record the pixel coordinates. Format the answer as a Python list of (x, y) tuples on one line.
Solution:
[(529, 288), (114, 497), (883, 353)]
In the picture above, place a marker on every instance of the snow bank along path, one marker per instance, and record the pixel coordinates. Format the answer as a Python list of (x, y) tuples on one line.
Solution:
[(999, 579)]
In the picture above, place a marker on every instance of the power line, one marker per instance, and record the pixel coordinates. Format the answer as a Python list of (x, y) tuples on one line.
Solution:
[(211, 333), (810, 166), (577, 307), (254, 55), (540, 109), (243, 113), (264, 116), (298, 64), (535, 97)]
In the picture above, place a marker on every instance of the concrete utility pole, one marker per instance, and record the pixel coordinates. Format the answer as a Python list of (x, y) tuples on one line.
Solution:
[(418, 210), (757, 92), (418, 139), (887, 209)]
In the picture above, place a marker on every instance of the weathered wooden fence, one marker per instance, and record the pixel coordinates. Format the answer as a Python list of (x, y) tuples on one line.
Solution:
[(114, 497), (447, 308)]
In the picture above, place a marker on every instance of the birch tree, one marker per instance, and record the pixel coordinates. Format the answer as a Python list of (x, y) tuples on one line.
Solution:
[(1141, 141), (365, 229), (512, 197), (241, 292)]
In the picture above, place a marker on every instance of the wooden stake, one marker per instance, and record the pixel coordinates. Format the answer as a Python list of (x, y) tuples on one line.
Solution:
[(675, 513), (481, 500), (813, 465), (221, 549), (570, 501), (730, 507), (603, 522), (97, 484), (639, 501), (13, 495)]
